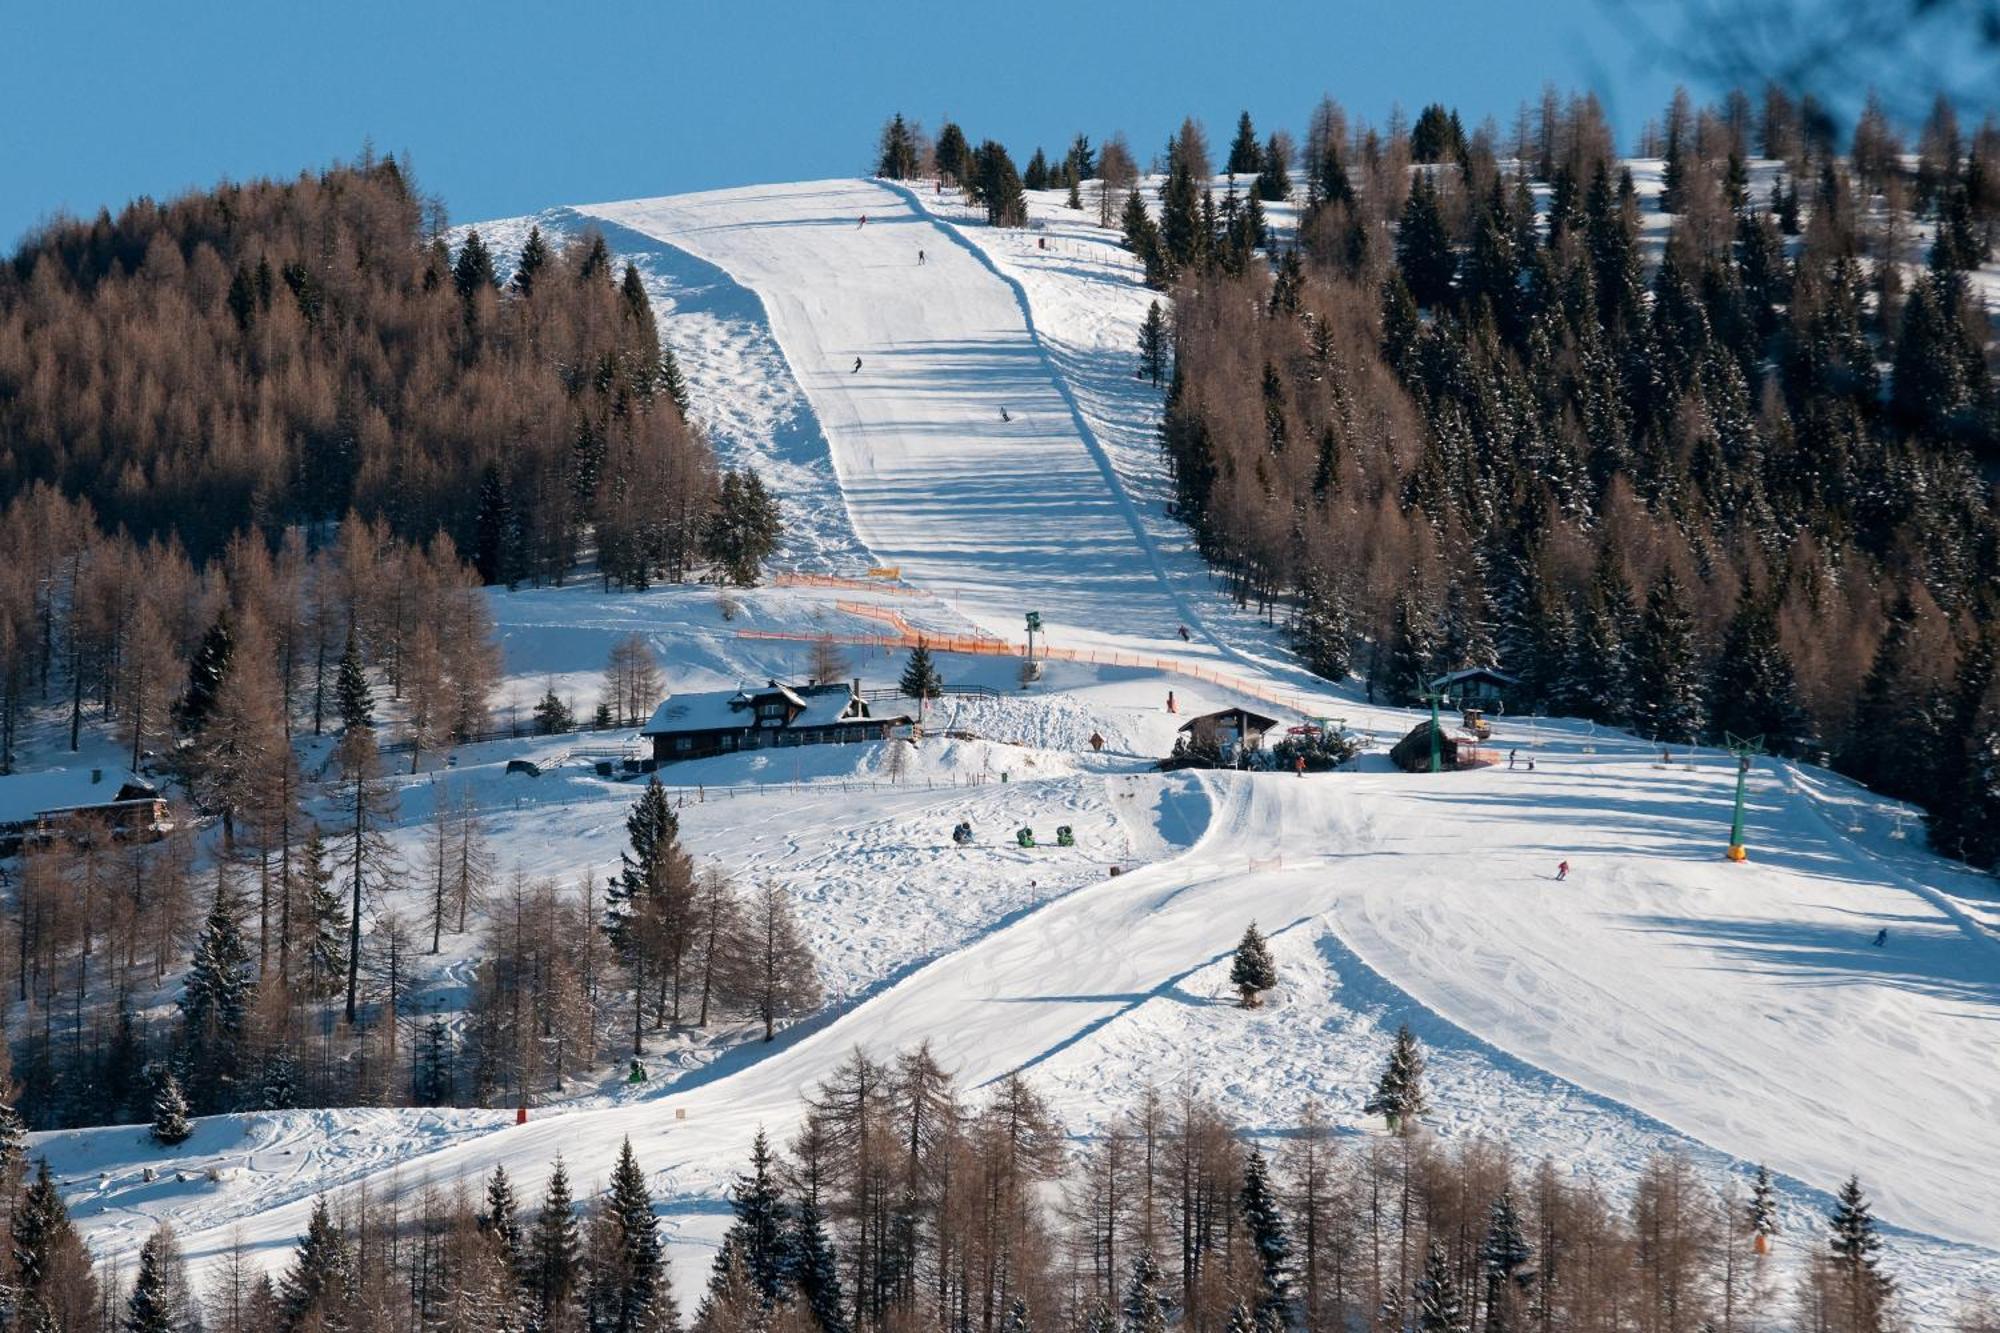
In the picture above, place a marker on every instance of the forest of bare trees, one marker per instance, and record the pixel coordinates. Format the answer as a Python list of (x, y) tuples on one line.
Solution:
[(906, 1202)]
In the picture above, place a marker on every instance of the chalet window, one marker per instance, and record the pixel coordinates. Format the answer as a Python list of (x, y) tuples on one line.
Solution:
[(683, 743)]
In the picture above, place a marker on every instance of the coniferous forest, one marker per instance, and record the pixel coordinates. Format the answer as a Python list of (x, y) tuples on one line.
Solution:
[(1730, 478)]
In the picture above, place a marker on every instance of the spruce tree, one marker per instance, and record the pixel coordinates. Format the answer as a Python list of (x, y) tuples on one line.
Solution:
[(1505, 1255), (1855, 1246), (1274, 177), (1245, 157), (1184, 237), (216, 1000), (325, 918), (1439, 1308), (1761, 1213), (354, 698), (555, 1253), (1146, 1300), (1424, 253), (629, 1291), (1036, 177), (159, 1301), (1666, 667), (1142, 238), (1252, 971), (1756, 692), (500, 1221), (672, 381), (644, 901), (46, 1249), (1270, 1240), (278, 1089), (746, 527), (761, 1235), (206, 673), (953, 155), (815, 1273), (896, 158), (474, 270), (1324, 633), (13, 1141), (1399, 1094), (318, 1290), (534, 258), (1154, 345), (920, 680), (1412, 650), (999, 186), (170, 1113)]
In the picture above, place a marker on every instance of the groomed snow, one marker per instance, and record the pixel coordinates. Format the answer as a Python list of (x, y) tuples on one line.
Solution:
[(1659, 998)]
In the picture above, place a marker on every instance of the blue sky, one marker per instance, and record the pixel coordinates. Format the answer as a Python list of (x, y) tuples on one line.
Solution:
[(506, 108)]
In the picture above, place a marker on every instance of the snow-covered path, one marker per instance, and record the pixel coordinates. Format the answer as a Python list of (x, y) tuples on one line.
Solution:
[(959, 450)]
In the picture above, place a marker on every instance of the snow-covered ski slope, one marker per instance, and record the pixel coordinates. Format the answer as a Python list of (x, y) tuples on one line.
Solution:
[(1660, 998)]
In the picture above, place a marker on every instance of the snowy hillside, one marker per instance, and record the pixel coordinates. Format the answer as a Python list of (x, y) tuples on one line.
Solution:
[(994, 446)]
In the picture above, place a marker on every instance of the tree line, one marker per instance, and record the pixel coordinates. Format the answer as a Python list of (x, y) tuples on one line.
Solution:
[(904, 1202), (1466, 421)]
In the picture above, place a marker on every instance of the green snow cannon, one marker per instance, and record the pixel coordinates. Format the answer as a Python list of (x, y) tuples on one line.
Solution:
[(1025, 836), (636, 1074), (1065, 838)]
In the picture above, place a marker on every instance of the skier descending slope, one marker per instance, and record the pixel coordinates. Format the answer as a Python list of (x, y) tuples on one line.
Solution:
[(857, 367)]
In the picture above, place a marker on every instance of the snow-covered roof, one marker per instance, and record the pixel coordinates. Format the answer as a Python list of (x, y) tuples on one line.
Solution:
[(25, 795), (710, 710), (1494, 674), (823, 705), (1254, 720)]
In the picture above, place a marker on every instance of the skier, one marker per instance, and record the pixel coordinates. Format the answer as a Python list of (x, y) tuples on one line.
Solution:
[(1004, 416), (1510, 759), (920, 259), (1096, 743), (1881, 937), (864, 222), (1170, 702), (1562, 871), (857, 367), (1299, 765), (1184, 634)]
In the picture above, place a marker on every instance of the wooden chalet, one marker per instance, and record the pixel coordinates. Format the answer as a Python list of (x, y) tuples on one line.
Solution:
[(691, 726)]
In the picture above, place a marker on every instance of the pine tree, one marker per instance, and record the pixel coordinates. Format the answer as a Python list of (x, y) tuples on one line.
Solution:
[(48, 1256), (317, 1291), (1439, 1309), (1146, 1301), (954, 155), (278, 1090), (1142, 238), (1270, 1239), (672, 381), (500, 1220), (1399, 1093), (170, 1113), (534, 258), (1252, 970), (1154, 345), (745, 529), (814, 1270), (552, 715), (555, 1253), (353, 696), (1184, 237), (920, 680), (998, 186)]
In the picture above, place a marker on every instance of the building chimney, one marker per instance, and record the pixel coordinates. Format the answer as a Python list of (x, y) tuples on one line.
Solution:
[(857, 687)]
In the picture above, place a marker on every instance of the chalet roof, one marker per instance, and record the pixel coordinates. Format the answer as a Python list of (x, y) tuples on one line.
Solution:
[(823, 705), (26, 795), (1490, 675), (708, 710), (1256, 721)]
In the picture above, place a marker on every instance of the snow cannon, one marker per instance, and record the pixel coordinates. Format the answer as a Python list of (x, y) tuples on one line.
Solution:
[(1025, 837), (1064, 837), (636, 1074)]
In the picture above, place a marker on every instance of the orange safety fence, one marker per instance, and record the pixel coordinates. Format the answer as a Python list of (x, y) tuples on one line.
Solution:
[(987, 646)]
